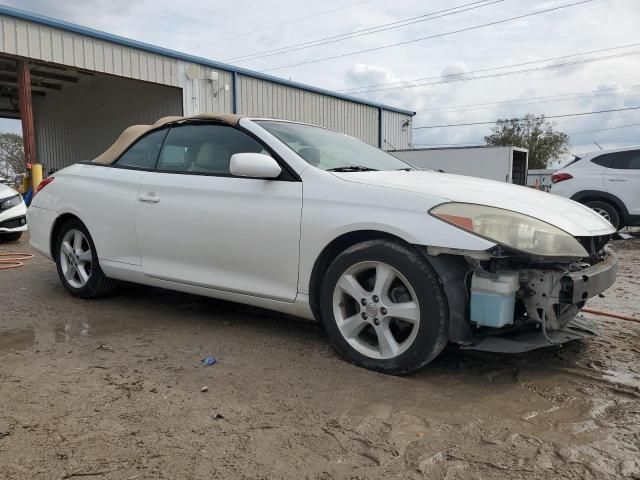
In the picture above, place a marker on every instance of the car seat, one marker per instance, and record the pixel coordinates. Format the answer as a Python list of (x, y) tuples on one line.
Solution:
[(211, 158)]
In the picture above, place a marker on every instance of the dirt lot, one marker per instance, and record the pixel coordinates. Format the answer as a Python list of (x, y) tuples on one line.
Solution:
[(111, 389)]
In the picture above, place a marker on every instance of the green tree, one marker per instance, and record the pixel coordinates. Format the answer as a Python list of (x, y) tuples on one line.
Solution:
[(534, 133), (11, 155)]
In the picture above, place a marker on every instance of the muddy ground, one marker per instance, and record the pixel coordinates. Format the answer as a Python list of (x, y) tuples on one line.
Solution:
[(111, 389)]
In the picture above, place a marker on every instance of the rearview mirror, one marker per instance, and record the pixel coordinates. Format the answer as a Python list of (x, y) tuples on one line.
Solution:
[(254, 165)]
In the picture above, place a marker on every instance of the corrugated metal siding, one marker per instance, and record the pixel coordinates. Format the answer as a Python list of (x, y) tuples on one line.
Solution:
[(202, 95), (257, 97), (261, 98), (76, 124), (41, 42), (395, 134)]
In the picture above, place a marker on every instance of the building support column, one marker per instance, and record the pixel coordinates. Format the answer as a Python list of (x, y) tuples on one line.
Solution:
[(379, 127), (234, 93), (26, 115)]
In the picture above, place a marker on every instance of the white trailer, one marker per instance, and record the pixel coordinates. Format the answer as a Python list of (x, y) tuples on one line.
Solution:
[(505, 164), (540, 179)]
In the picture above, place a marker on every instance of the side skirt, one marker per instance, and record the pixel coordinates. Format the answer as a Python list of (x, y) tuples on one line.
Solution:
[(133, 273)]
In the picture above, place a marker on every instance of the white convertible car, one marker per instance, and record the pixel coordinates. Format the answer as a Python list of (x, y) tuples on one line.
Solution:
[(291, 217)]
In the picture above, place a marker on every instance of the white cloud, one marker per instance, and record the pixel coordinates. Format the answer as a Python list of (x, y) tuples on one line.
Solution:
[(361, 75)]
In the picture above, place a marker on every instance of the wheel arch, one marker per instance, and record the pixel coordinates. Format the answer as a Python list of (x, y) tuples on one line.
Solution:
[(332, 250), (596, 195), (451, 270), (55, 229)]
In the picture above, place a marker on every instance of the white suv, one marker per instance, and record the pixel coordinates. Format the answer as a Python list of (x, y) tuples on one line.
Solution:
[(608, 181), (13, 214)]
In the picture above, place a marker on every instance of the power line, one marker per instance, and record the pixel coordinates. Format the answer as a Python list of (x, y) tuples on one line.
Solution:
[(605, 129), (288, 22), (470, 144), (515, 103), (502, 74), (363, 32), (482, 70), (520, 119), (522, 101), (439, 35)]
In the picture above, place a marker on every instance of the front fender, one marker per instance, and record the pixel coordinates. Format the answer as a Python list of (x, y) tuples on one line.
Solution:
[(396, 213)]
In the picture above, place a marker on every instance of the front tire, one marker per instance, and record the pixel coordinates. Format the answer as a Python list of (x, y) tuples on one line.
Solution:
[(383, 307), (607, 211), (77, 262)]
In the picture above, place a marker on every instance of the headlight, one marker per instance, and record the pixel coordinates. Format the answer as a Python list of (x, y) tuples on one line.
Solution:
[(511, 229), (10, 202)]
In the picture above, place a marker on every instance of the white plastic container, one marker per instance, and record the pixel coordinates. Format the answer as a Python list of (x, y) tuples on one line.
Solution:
[(493, 298)]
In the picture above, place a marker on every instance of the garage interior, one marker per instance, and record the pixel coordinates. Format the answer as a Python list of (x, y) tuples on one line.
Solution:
[(69, 115)]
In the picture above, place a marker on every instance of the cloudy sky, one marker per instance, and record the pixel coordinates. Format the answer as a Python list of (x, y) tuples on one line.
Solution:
[(542, 44)]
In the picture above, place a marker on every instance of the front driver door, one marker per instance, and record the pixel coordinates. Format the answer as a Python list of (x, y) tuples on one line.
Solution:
[(197, 224)]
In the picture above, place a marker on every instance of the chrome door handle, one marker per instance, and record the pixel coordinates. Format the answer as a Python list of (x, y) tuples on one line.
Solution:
[(149, 197), (617, 179)]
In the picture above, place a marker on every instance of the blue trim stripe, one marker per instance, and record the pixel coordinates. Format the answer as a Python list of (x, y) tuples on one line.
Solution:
[(90, 32)]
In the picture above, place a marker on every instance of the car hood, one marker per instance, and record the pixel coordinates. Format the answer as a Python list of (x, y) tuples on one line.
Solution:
[(570, 216), (6, 192)]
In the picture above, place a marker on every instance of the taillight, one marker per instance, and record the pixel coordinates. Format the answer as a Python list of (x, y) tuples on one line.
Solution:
[(43, 184), (560, 177)]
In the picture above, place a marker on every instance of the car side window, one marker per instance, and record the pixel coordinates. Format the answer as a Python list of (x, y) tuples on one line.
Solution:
[(143, 153), (629, 160), (604, 160), (204, 148), (634, 160)]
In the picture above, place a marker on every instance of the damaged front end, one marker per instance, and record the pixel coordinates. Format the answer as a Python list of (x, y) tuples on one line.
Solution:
[(526, 291), (507, 301)]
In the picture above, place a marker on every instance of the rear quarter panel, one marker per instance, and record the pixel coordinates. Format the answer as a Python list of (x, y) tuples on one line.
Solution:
[(586, 176), (103, 198), (40, 221)]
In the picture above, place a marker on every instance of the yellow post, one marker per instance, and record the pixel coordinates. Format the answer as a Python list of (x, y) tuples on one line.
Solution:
[(36, 175), (26, 183)]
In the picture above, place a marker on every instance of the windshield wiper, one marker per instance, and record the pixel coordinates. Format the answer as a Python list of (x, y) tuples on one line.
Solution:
[(406, 169), (352, 168)]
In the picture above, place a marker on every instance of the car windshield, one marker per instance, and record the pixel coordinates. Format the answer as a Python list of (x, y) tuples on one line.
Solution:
[(331, 151)]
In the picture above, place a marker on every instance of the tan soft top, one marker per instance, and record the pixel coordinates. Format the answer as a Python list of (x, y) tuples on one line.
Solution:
[(134, 132)]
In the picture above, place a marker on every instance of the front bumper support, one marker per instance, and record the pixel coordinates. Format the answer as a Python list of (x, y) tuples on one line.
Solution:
[(552, 296), (583, 284), (576, 329), (555, 299)]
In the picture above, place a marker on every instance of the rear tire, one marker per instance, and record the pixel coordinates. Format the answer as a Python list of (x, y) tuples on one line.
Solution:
[(10, 237), (362, 290), (77, 262), (607, 211)]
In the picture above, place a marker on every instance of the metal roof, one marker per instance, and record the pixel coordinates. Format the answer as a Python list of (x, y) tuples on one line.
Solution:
[(90, 32)]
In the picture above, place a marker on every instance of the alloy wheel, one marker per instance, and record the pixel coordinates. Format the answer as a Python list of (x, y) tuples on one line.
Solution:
[(75, 258), (376, 310), (602, 212)]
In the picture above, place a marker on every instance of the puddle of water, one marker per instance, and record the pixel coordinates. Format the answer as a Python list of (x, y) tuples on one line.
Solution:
[(16, 338), (622, 377), (65, 331)]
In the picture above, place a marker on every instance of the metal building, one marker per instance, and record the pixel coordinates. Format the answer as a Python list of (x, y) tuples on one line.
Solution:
[(76, 89)]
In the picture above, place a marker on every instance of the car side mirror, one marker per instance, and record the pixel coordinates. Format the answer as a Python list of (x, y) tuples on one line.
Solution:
[(254, 165)]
